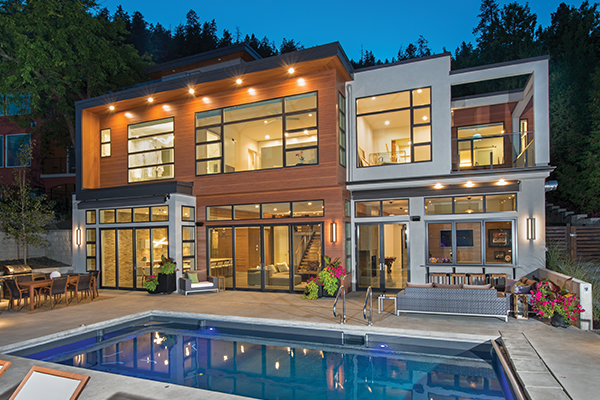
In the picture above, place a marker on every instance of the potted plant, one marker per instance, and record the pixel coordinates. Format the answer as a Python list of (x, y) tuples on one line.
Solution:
[(556, 303), (311, 292), (151, 283), (330, 275), (166, 276)]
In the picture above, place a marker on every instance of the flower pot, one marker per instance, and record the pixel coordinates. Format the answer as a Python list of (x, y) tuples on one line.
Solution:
[(167, 283), (152, 291), (557, 320)]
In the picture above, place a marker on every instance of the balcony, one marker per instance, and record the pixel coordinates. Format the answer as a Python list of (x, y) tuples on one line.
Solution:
[(507, 150)]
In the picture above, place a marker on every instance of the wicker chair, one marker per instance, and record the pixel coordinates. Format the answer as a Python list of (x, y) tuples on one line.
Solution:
[(84, 286), (56, 291), (16, 293)]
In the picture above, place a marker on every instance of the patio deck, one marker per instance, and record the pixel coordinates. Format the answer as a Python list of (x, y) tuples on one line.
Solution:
[(567, 367)]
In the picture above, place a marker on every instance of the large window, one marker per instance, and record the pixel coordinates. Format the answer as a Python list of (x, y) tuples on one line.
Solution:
[(470, 242), (15, 144), (269, 134), (151, 150), (342, 128), (394, 128), (298, 209), (471, 204), (481, 145)]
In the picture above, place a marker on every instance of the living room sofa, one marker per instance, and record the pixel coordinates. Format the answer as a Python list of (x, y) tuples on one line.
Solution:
[(485, 302), (276, 275), (191, 283)]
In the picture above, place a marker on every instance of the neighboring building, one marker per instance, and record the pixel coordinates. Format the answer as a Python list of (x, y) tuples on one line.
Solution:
[(254, 169)]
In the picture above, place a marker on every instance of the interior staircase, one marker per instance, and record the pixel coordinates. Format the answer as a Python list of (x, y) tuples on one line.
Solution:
[(312, 253)]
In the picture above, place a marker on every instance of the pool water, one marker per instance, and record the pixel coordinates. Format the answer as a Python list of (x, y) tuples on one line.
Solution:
[(209, 358)]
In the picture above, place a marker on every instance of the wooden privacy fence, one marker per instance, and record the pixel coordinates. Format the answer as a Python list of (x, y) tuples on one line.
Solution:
[(582, 242)]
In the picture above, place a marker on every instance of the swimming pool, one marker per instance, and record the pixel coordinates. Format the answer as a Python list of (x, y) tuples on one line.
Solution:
[(270, 362)]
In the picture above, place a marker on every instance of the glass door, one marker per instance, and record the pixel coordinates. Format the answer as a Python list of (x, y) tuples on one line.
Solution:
[(382, 256)]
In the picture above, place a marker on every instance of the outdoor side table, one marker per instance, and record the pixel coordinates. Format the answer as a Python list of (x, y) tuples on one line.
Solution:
[(383, 297), (521, 306)]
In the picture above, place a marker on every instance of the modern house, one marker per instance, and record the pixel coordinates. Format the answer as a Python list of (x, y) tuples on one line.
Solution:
[(253, 169)]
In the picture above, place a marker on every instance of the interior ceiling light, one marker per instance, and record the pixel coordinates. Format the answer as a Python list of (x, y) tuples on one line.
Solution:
[(387, 122), (267, 137), (438, 186), (238, 81), (469, 184), (502, 182), (291, 70), (373, 98), (111, 108), (424, 117), (306, 131), (301, 82), (191, 91), (419, 90), (150, 99)]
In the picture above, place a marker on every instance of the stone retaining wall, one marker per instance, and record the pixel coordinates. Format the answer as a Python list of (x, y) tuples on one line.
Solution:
[(59, 247)]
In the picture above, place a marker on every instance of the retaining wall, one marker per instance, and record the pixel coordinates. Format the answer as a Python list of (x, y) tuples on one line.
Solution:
[(59, 247)]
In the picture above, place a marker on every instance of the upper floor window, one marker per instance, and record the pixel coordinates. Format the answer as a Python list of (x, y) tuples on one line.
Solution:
[(15, 104), (342, 128), (150, 147), (15, 150), (394, 128), (471, 204), (105, 147), (481, 145), (268, 134)]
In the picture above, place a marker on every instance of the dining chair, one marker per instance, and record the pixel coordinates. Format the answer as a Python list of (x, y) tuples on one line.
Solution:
[(440, 277), (94, 283), (72, 286), (477, 279), (16, 293), (56, 291), (83, 286), (457, 279)]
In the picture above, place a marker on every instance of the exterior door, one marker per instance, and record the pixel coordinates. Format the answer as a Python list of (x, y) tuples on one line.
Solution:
[(382, 256)]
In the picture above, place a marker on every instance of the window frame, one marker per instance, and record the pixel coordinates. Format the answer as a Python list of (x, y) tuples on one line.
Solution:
[(106, 143), (411, 108), (8, 136), (163, 164), (485, 206)]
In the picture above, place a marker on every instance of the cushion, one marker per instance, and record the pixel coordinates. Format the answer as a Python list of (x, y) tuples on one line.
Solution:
[(520, 288), (272, 268), (201, 285), (526, 281), (481, 287), (443, 286), (283, 267), (419, 285), (509, 284), (193, 277)]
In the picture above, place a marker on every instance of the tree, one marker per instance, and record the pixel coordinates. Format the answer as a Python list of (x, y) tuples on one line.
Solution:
[(58, 52), (22, 214)]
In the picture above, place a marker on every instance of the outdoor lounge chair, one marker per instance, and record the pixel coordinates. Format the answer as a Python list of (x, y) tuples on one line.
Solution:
[(56, 291)]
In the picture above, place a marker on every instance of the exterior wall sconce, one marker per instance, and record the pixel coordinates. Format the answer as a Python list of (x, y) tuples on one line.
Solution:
[(530, 228), (78, 237), (333, 232)]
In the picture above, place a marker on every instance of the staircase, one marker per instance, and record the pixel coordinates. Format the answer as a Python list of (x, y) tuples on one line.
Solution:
[(312, 255), (556, 216)]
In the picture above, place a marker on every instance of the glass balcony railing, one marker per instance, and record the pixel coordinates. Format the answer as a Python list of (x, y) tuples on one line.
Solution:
[(508, 150)]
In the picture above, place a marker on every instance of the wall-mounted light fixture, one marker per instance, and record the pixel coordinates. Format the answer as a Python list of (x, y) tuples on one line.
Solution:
[(78, 237), (530, 228), (333, 232)]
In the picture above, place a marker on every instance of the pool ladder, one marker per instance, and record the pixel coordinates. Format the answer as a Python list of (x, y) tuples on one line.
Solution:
[(368, 299), (343, 315)]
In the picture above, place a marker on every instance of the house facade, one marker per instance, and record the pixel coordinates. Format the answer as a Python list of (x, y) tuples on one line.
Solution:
[(254, 169)]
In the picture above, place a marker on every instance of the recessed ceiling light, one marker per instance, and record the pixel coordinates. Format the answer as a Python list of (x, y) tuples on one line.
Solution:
[(502, 182), (267, 137), (310, 115), (419, 90), (150, 99), (251, 91), (373, 98), (128, 115), (206, 100), (191, 91), (111, 108), (291, 70), (286, 134), (306, 131), (310, 204), (438, 186), (256, 206), (301, 82), (469, 184), (166, 108), (387, 122), (424, 117), (238, 81)]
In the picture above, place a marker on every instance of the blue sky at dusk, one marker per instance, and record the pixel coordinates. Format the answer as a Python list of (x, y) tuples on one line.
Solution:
[(379, 26)]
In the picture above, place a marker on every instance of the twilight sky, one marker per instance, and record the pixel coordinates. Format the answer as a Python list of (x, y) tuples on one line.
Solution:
[(381, 26)]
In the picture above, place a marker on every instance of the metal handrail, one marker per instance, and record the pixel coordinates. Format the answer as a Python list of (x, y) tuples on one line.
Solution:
[(369, 296), (337, 297)]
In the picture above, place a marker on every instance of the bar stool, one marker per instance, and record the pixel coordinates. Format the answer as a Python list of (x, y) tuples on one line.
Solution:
[(439, 277), (457, 279), (477, 279)]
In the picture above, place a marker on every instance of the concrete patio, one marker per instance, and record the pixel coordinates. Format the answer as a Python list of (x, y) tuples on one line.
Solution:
[(552, 363)]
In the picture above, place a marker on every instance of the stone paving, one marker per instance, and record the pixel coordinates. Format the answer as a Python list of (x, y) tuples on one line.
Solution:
[(552, 363)]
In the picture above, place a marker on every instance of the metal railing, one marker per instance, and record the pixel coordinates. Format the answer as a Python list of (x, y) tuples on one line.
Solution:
[(369, 299), (341, 290)]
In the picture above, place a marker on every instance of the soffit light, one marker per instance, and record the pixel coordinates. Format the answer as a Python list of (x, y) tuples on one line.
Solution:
[(206, 100), (111, 108), (150, 99), (166, 108), (469, 184), (191, 91), (238, 81), (502, 182), (291, 70), (251, 91), (128, 115), (301, 82), (438, 186)]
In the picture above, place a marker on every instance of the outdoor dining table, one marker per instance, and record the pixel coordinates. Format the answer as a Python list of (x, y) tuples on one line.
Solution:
[(32, 285)]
